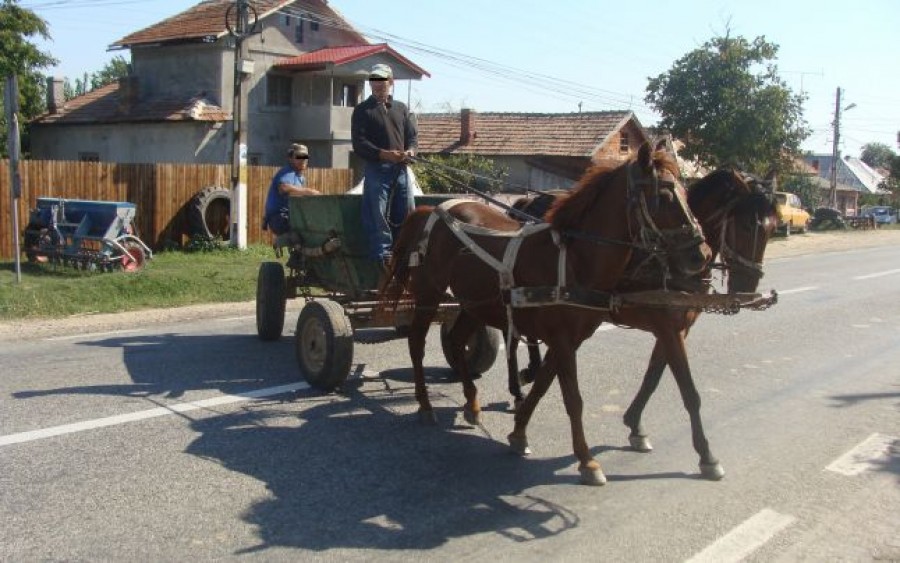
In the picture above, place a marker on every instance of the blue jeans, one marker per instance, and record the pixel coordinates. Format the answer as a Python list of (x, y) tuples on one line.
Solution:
[(387, 200)]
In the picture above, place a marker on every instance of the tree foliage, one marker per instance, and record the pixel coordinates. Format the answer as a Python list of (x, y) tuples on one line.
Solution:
[(116, 68), (20, 57), (456, 173), (726, 101), (877, 155)]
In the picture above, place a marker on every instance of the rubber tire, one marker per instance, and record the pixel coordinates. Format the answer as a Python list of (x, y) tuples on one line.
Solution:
[(271, 301), (324, 344), (787, 230), (138, 257), (481, 349), (209, 214)]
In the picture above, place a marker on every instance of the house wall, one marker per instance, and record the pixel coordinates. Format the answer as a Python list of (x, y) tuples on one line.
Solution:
[(182, 142), (184, 71)]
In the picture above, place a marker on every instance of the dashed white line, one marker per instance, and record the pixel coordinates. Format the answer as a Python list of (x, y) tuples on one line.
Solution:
[(867, 455), (798, 290), (877, 275), (33, 435), (745, 539)]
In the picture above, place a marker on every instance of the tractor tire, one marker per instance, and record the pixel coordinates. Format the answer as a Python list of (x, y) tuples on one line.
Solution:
[(270, 301), (480, 352), (209, 214)]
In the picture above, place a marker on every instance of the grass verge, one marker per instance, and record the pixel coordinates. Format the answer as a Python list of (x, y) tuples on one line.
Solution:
[(170, 279)]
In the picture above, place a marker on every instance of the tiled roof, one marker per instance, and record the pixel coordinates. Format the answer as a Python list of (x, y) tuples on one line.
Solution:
[(102, 106), (315, 60), (206, 21), (521, 134)]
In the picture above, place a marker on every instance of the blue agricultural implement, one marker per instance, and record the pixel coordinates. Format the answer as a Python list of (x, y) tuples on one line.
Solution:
[(85, 234)]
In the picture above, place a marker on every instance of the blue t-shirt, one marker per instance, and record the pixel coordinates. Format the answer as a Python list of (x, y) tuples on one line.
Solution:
[(277, 202)]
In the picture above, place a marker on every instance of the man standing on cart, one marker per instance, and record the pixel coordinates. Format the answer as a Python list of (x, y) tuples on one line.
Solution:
[(386, 138)]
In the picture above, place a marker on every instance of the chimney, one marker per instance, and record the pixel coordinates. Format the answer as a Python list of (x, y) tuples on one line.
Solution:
[(55, 94), (128, 93), (467, 126)]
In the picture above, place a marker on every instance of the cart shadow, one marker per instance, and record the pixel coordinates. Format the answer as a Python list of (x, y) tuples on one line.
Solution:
[(355, 474), (169, 365)]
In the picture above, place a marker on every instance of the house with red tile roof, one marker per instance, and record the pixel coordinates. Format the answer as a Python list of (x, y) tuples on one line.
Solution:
[(540, 150), (305, 70)]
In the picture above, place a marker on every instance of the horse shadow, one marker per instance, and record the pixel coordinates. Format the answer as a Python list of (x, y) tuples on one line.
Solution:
[(357, 474), (169, 365)]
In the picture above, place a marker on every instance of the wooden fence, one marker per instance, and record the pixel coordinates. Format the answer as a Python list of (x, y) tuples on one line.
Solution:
[(161, 192)]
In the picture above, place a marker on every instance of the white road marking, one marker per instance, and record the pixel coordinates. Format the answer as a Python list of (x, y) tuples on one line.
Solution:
[(92, 335), (798, 290), (877, 275), (745, 539), (605, 327), (866, 456), (33, 435)]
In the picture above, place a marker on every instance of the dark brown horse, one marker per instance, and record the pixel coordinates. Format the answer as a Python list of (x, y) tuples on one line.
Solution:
[(738, 216), (575, 260)]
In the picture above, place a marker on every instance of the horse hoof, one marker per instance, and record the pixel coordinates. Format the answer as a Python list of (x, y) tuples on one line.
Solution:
[(472, 417), (519, 445), (712, 471), (640, 443), (592, 476), (427, 417)]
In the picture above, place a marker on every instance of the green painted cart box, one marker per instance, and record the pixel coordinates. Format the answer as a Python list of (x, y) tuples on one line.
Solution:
[(320, 218)]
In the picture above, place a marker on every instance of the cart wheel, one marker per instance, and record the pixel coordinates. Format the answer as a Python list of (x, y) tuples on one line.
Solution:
[(134, 257), (324, 344), (270, 301), (481, 349)]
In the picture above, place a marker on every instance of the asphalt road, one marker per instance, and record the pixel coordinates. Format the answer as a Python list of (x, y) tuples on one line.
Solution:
[(196, 441)]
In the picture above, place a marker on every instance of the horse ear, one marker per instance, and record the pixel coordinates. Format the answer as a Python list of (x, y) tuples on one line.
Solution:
[(645, 155)]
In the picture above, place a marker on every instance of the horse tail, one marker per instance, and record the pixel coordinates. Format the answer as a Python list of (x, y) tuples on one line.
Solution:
[(396, 281)]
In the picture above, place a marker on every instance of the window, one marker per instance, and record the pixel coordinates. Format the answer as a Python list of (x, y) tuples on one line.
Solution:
[(298, 31), (89, 157), (313, 22), (624, 147), (287, 20), (348, 95), (278, 90)]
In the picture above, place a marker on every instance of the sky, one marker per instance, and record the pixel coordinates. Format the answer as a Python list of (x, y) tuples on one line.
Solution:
[(571, 55)]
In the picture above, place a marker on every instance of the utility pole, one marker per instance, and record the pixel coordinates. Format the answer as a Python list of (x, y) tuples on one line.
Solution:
[(237, 21), (11, 103), (835, 152)]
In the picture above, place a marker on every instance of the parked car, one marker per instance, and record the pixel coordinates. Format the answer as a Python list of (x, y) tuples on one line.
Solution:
[(883, 214), (791, 215)]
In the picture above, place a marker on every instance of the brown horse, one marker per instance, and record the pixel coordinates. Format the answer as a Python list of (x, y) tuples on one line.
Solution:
[(590, 236), (738, 216)]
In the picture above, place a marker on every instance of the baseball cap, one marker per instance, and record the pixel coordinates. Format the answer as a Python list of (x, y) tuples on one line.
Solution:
[(381, 71)]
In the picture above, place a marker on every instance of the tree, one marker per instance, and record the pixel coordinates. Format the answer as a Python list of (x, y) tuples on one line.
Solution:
[(20, 57), (454, 173), (877, 155), (116, 68), (727, 103)]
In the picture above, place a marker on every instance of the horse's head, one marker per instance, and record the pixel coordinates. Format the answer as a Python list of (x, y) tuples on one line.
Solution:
[(738, 215), (661, 218)]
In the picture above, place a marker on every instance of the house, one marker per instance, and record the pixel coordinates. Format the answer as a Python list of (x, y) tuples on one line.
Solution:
[(540, 150), (854, 178), (305, 71)]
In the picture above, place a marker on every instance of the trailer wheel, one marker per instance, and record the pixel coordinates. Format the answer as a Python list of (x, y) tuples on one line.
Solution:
[(134, 257), (209, 214), (324, 344), (270, 301), (481, 349)]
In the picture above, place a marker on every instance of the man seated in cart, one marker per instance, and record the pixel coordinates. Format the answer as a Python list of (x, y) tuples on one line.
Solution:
[(288, 182)]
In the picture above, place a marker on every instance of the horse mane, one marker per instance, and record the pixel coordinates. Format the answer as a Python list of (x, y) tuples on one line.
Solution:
[(569, 209), (712, 184)]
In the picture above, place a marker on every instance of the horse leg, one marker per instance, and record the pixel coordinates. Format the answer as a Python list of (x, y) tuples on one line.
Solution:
[(673, 342), (518, 438), (512, 371), (638, 437), (463, 328), (534, 361), (419, 326), (588, 467)]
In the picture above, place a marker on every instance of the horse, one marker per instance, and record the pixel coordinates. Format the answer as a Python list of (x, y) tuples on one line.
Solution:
[(502, 279), (738, 216)]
